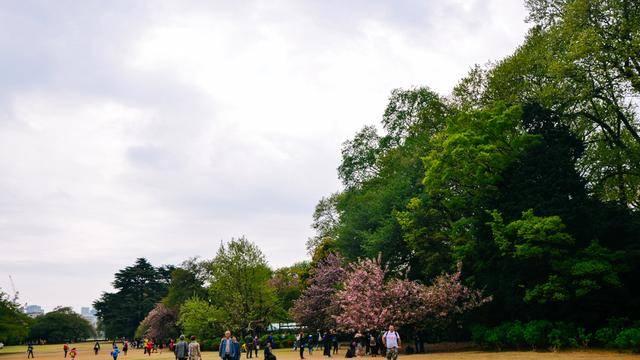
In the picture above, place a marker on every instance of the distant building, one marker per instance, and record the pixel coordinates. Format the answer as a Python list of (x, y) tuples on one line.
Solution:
[(33, 310), (89, 314)]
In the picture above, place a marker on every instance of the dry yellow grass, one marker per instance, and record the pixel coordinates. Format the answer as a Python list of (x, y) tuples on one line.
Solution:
[(54, 352)]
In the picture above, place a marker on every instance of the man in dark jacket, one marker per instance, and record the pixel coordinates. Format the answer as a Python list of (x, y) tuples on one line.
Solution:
[(182, 349)]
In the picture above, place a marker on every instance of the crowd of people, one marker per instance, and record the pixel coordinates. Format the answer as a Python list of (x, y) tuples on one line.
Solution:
[(363, 343)]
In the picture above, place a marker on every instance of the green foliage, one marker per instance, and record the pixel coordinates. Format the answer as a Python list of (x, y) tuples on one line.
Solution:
[(536, 333), (199, 318), (239, 286), (14, 324), (60, 325), (629, 339), (138, 289)]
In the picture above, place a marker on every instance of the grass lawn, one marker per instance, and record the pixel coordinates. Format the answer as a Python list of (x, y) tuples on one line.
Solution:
[(54, 352)]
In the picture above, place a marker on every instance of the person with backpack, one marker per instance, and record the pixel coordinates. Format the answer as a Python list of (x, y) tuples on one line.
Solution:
[(182, 349), (73, 353), (391, 341), (115, 352)]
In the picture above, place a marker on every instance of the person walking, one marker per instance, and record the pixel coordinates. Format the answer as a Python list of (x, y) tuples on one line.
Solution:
[(96, 348), (172, 347), (30, 351), (65, 348), (125, 348), (115, 352), (194, 349), (73, 353), (391, 341), (248, 342), (182, 349), (268, 354)]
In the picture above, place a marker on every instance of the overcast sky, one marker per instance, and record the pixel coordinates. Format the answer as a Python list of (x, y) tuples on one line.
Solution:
[(159, 129)]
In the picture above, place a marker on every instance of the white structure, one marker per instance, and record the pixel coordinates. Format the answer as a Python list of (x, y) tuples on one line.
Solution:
[(33, 310), (89, 314)]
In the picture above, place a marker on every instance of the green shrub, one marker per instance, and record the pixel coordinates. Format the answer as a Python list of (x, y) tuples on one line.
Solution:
[(584, 337), (562, 335), (514, 334), (478, 333), (535, 333), (606, 336), (629, 339)]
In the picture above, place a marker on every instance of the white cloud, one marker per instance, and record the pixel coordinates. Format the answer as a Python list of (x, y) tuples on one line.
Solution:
[(159, 129)]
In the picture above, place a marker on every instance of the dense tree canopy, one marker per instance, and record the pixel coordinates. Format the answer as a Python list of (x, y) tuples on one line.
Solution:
[(138, 289), (59, 325), (14, 324)]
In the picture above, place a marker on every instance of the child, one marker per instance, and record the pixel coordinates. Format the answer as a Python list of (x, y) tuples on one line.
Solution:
[(73, 353), (115, 352)]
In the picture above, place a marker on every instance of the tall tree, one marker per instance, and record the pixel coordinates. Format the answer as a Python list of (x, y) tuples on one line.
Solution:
[(138, 289), (239, 277)]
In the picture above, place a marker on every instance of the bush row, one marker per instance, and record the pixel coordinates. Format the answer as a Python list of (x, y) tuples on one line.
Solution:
[(543, 334)]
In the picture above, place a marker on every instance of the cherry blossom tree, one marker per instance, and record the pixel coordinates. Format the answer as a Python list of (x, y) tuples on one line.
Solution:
[(160, 323), (369, 301), (315, 308)]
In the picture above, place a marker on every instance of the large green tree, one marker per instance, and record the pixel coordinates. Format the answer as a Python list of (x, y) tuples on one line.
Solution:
[(60, 325), (138, 288), (239, 286), (14, 324)]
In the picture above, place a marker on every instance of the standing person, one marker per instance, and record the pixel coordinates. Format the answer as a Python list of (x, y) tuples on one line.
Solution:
[(270, 340), (73, 353), (30, 350), (236, 348), (256, 345), (310, 344), (96, 348), (359, 339), (326, 342), (301, 344), (334, 341), (149, 347), (65, 348), (227, 349), (391, 341), (115, 352), (182, 349), (248, 342), (125, 348), (172, 347), (194, 349), (373, 344)]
